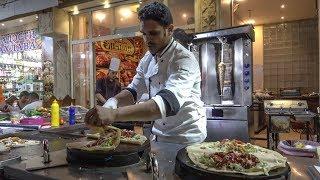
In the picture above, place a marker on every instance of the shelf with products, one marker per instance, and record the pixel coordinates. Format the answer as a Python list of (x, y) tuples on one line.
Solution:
[(27, 81)]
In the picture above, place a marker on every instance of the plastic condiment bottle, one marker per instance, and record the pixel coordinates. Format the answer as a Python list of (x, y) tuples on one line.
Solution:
[(55, 114), (72, 115), (15, 114)]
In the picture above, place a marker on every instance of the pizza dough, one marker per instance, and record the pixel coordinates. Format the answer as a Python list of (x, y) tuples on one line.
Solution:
[(3, 148), (232, 156), (18, 142)]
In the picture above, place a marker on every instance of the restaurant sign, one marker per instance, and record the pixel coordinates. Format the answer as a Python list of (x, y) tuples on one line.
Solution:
[(123, 46), (129, 50), (20, 41)]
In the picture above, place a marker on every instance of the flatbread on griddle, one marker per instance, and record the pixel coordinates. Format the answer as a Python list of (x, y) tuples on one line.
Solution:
[(109, 140), (130, 137), (200, 155)]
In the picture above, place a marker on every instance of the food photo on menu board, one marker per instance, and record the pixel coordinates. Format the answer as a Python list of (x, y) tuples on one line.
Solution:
[(128, 50)]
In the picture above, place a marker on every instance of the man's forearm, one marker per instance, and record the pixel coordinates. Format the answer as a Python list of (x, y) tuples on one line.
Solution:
[(124, 98), (147, 111)]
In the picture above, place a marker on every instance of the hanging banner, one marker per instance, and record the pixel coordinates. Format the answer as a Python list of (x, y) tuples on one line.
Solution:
[(20, 41), (129, 50)]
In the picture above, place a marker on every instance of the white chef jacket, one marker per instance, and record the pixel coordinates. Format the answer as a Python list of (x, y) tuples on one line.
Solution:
[(175, 71)]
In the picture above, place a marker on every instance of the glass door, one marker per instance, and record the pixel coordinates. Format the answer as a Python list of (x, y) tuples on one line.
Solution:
[(81, 74)]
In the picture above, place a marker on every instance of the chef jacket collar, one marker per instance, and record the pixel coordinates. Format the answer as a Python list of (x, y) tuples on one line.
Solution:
[(165, 49)]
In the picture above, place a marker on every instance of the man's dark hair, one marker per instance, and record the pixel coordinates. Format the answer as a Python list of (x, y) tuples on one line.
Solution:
[(156, 11), (23, 93), (34, 96)]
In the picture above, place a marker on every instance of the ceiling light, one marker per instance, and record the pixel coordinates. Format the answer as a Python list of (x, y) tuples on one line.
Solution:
[(184, 15), (37, 16), (75, 10), (106, 4), (125, 12), (20, 20), (2, 24), (82, 56), (121, 19), (282, 17), (100, 16), (283, 6), (226, 2), (250, 21)]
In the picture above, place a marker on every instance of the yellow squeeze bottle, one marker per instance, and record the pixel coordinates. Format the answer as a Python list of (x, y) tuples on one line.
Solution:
[(55, 114)]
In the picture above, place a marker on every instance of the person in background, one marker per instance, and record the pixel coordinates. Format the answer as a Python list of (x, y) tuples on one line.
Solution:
[(23, 99), (182, 37), (21, 102), (2, 99), (34, 102), (11, 100), (109, 86)]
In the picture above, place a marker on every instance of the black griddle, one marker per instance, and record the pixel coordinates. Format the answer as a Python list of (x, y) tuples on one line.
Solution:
[(187, 170), (123, 155)]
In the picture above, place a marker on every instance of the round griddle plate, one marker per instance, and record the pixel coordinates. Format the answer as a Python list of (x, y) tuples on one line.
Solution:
[(123, 155), (186, 169)]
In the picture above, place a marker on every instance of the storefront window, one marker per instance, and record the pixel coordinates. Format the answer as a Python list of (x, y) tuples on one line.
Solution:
[(21, 63), (80, 28), (102, 22), (81, 67), (182, 12), (126, 16)]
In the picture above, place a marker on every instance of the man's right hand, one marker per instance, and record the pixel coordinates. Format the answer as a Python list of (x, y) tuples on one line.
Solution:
[(101, 99), (100, 116)]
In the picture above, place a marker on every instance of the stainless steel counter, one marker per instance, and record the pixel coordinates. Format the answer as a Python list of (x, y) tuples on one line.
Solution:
[(165, 154), (299, 167)]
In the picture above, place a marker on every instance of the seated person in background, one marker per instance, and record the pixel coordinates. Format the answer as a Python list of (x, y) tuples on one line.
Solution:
[(6, 106), (34, 102), (11, 100), (2, 99), (21, 102), (23, 99)]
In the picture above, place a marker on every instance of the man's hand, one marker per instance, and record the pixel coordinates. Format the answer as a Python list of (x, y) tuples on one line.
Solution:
[(100, 116), (100, 98)]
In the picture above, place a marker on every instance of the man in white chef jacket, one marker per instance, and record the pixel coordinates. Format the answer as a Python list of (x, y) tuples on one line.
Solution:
[(170, 75)]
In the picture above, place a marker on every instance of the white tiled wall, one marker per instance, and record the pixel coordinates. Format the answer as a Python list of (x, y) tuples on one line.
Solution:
[(291, 55)]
